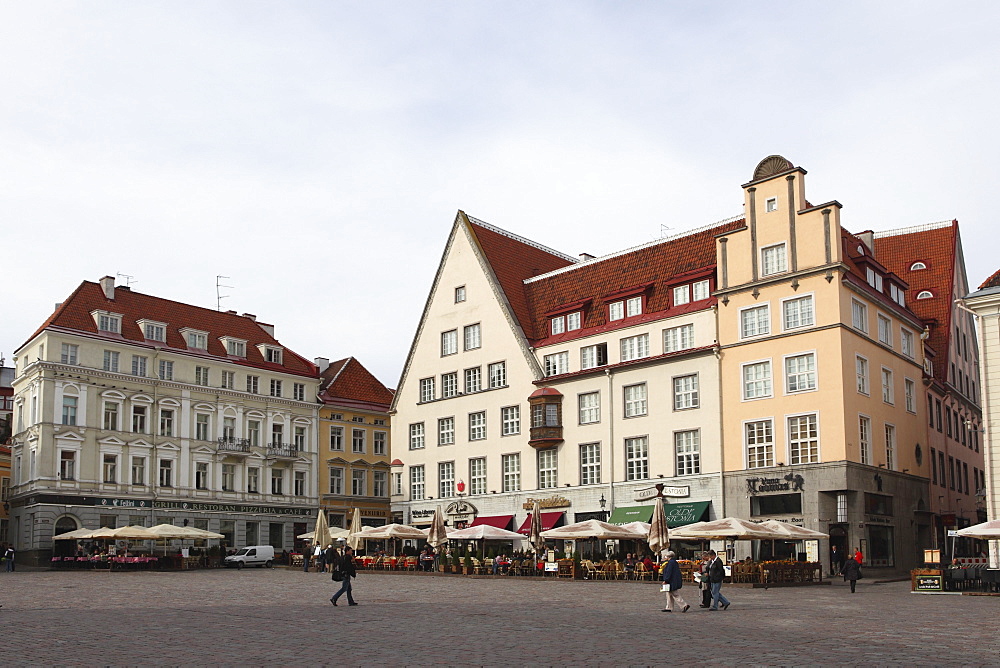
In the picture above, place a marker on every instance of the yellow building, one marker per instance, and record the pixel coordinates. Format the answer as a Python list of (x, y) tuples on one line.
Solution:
[(354, 443), (823, 398)]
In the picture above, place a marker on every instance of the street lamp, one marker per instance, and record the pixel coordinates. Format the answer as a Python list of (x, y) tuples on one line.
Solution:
[(602, 501)]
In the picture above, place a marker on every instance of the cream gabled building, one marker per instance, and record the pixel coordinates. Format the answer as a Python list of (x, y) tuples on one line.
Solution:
[(134, 409)]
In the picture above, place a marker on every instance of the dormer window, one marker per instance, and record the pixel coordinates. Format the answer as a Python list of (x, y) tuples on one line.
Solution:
[(633, 306), (771, 204), (108, 322), (874, 279), (616, 310), (897, 294), (271, 354), (700, 290), (773, 260), (234, 347), (925, 294), (682, 295), (917, 266), (195, 339), (573, 321), (152, 330), (557, 325)]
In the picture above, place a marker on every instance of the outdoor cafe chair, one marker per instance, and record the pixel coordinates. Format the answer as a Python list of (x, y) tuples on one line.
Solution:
[(642, 573)]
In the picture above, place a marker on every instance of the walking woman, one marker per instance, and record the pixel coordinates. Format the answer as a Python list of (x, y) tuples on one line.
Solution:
[(673, 581), (851, 572)]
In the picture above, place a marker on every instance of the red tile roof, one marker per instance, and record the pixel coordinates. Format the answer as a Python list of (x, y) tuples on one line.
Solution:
[(991, 282), (348, 381), (75, 315), (936, 246)]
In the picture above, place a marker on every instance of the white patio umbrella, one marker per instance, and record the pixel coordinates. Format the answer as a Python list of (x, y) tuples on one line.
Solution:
[(484, 532), (171, 531), (659, 535), (333, 533), (793, 531), (985, 531), (74, 534), (355, 526), (641, 529), (590, 529), (535, 532), (437, 536), (128, 532), (732, 528), (390, 531), (321, 530)]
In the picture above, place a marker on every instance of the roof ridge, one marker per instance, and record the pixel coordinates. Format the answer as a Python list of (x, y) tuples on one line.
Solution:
[(523, 240), (632, 249), (926, 227)]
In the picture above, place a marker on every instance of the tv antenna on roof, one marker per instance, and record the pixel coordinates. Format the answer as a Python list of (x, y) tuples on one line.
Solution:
[(664, 231), (218, 294), (129, 280)]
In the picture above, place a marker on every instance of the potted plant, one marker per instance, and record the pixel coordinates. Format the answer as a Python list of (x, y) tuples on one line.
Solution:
[(468, 565)]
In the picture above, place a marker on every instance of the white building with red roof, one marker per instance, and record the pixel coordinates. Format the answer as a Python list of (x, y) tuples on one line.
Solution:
[(135, 409)]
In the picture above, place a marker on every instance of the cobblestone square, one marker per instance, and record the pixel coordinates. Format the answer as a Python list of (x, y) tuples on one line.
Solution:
[(283, 617)]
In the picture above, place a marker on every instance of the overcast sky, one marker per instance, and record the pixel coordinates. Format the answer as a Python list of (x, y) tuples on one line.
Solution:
[(316, 152)]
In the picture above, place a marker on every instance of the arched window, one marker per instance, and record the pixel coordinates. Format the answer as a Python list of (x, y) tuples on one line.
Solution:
[(64, 548), (925, 294), (916, 266)]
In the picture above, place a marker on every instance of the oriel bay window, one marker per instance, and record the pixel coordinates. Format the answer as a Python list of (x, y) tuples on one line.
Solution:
[(546, 417)]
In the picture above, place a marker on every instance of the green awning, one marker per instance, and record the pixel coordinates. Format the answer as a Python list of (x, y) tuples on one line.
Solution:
[(680, 514), (631, 514)]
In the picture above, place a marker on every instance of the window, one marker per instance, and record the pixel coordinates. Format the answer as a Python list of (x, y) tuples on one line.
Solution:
[(446, 479), (299, 438), (397, 484), (69, 353), (916, 266), (473, 380), (547, 469), (380, 441), (166, 422), (449, 385), (633, 306), (380, 483), (890, 447), (416, 483), (449, 342), (590, 463), (616, 310), (166, 370), (235, 348), (201, 375), (138, 419), (138, 470), (201, 427), (859, 316), (770, 204), (574, 321), (590, 408), (682, 295), (925, 294), (760, 444), (546, 415), (634, 347), (755, 321), (253, 384), (201, 475), (228, 477), (800, 373), (275, 387), (336, 480), (910, 392), (477, 476), (556, 364), (110, 469), (773, 260), (460, 294), (111, 416), (678, 338), (299, 483), (278, 481), (166, 473), (861, 370), (637, 458), (687, 445), (635, 400), (803, 439), (417, 436), (67, 465), (472, 337), (272, 355), (498, 374), (884, 330), (197, 340), (253, 480), (865, 439), (593, 356), (446, 431), (299, 391), (798, 312), (700, 290), (888, 392), (757, 380), (427, 389), (69, 411), (557, 325), (510, 420), (277, 435), (109, 323), (477, 426), (686, 392), (511, 472), (358, 478), (906, 342), (111, 361), (154, 332)]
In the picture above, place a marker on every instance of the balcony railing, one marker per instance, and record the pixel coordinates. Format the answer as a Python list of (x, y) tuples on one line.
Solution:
[(282, 450), (234, 444)]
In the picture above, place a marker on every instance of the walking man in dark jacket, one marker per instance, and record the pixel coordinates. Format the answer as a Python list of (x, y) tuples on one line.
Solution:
[(851, 571), (716, 574), (345, 566)]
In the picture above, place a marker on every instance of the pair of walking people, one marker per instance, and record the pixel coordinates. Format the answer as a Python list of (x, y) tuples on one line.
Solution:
[(673, 582)]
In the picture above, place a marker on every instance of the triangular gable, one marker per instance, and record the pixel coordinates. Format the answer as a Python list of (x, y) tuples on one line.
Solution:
[(110, 440), (140, 443), (69, 436), (168, 446), (203, 450)]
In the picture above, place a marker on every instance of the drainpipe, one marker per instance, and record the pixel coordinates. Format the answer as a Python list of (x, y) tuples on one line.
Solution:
[(611, 438), (154, 465), (722, 437)]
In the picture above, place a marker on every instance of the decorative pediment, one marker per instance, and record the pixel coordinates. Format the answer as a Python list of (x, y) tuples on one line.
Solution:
[(337, 460), (69, 436), (112, 394), (202, 406), (71, 389), (169, 446), (111, 440), (302, 420), (202, 450), (230, 411), (140, 443), (142, 398), (167, 401), (256, 414)]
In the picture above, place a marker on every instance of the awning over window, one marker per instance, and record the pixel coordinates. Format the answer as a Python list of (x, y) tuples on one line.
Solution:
[(498, 521), (680, 514), (549, 521), (631, 514)]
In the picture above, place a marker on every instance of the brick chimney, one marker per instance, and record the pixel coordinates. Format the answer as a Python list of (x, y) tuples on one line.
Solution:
[(108, 285)]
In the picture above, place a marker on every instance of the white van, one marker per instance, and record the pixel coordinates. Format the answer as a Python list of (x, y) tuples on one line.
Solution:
[(254, 555)]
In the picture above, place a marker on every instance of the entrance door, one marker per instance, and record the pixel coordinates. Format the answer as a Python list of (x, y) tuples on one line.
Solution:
[(64, 548), (838, 538)]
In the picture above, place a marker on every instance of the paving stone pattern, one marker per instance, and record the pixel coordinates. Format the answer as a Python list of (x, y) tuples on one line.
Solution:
[(283, 617)]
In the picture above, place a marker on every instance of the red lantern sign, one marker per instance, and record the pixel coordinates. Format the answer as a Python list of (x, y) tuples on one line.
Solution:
[(460, 486)]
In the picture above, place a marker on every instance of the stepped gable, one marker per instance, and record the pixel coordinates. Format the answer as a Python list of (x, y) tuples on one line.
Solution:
[(514, 259), (936, 246), (75, 315), (348, 379), (596, 279)]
